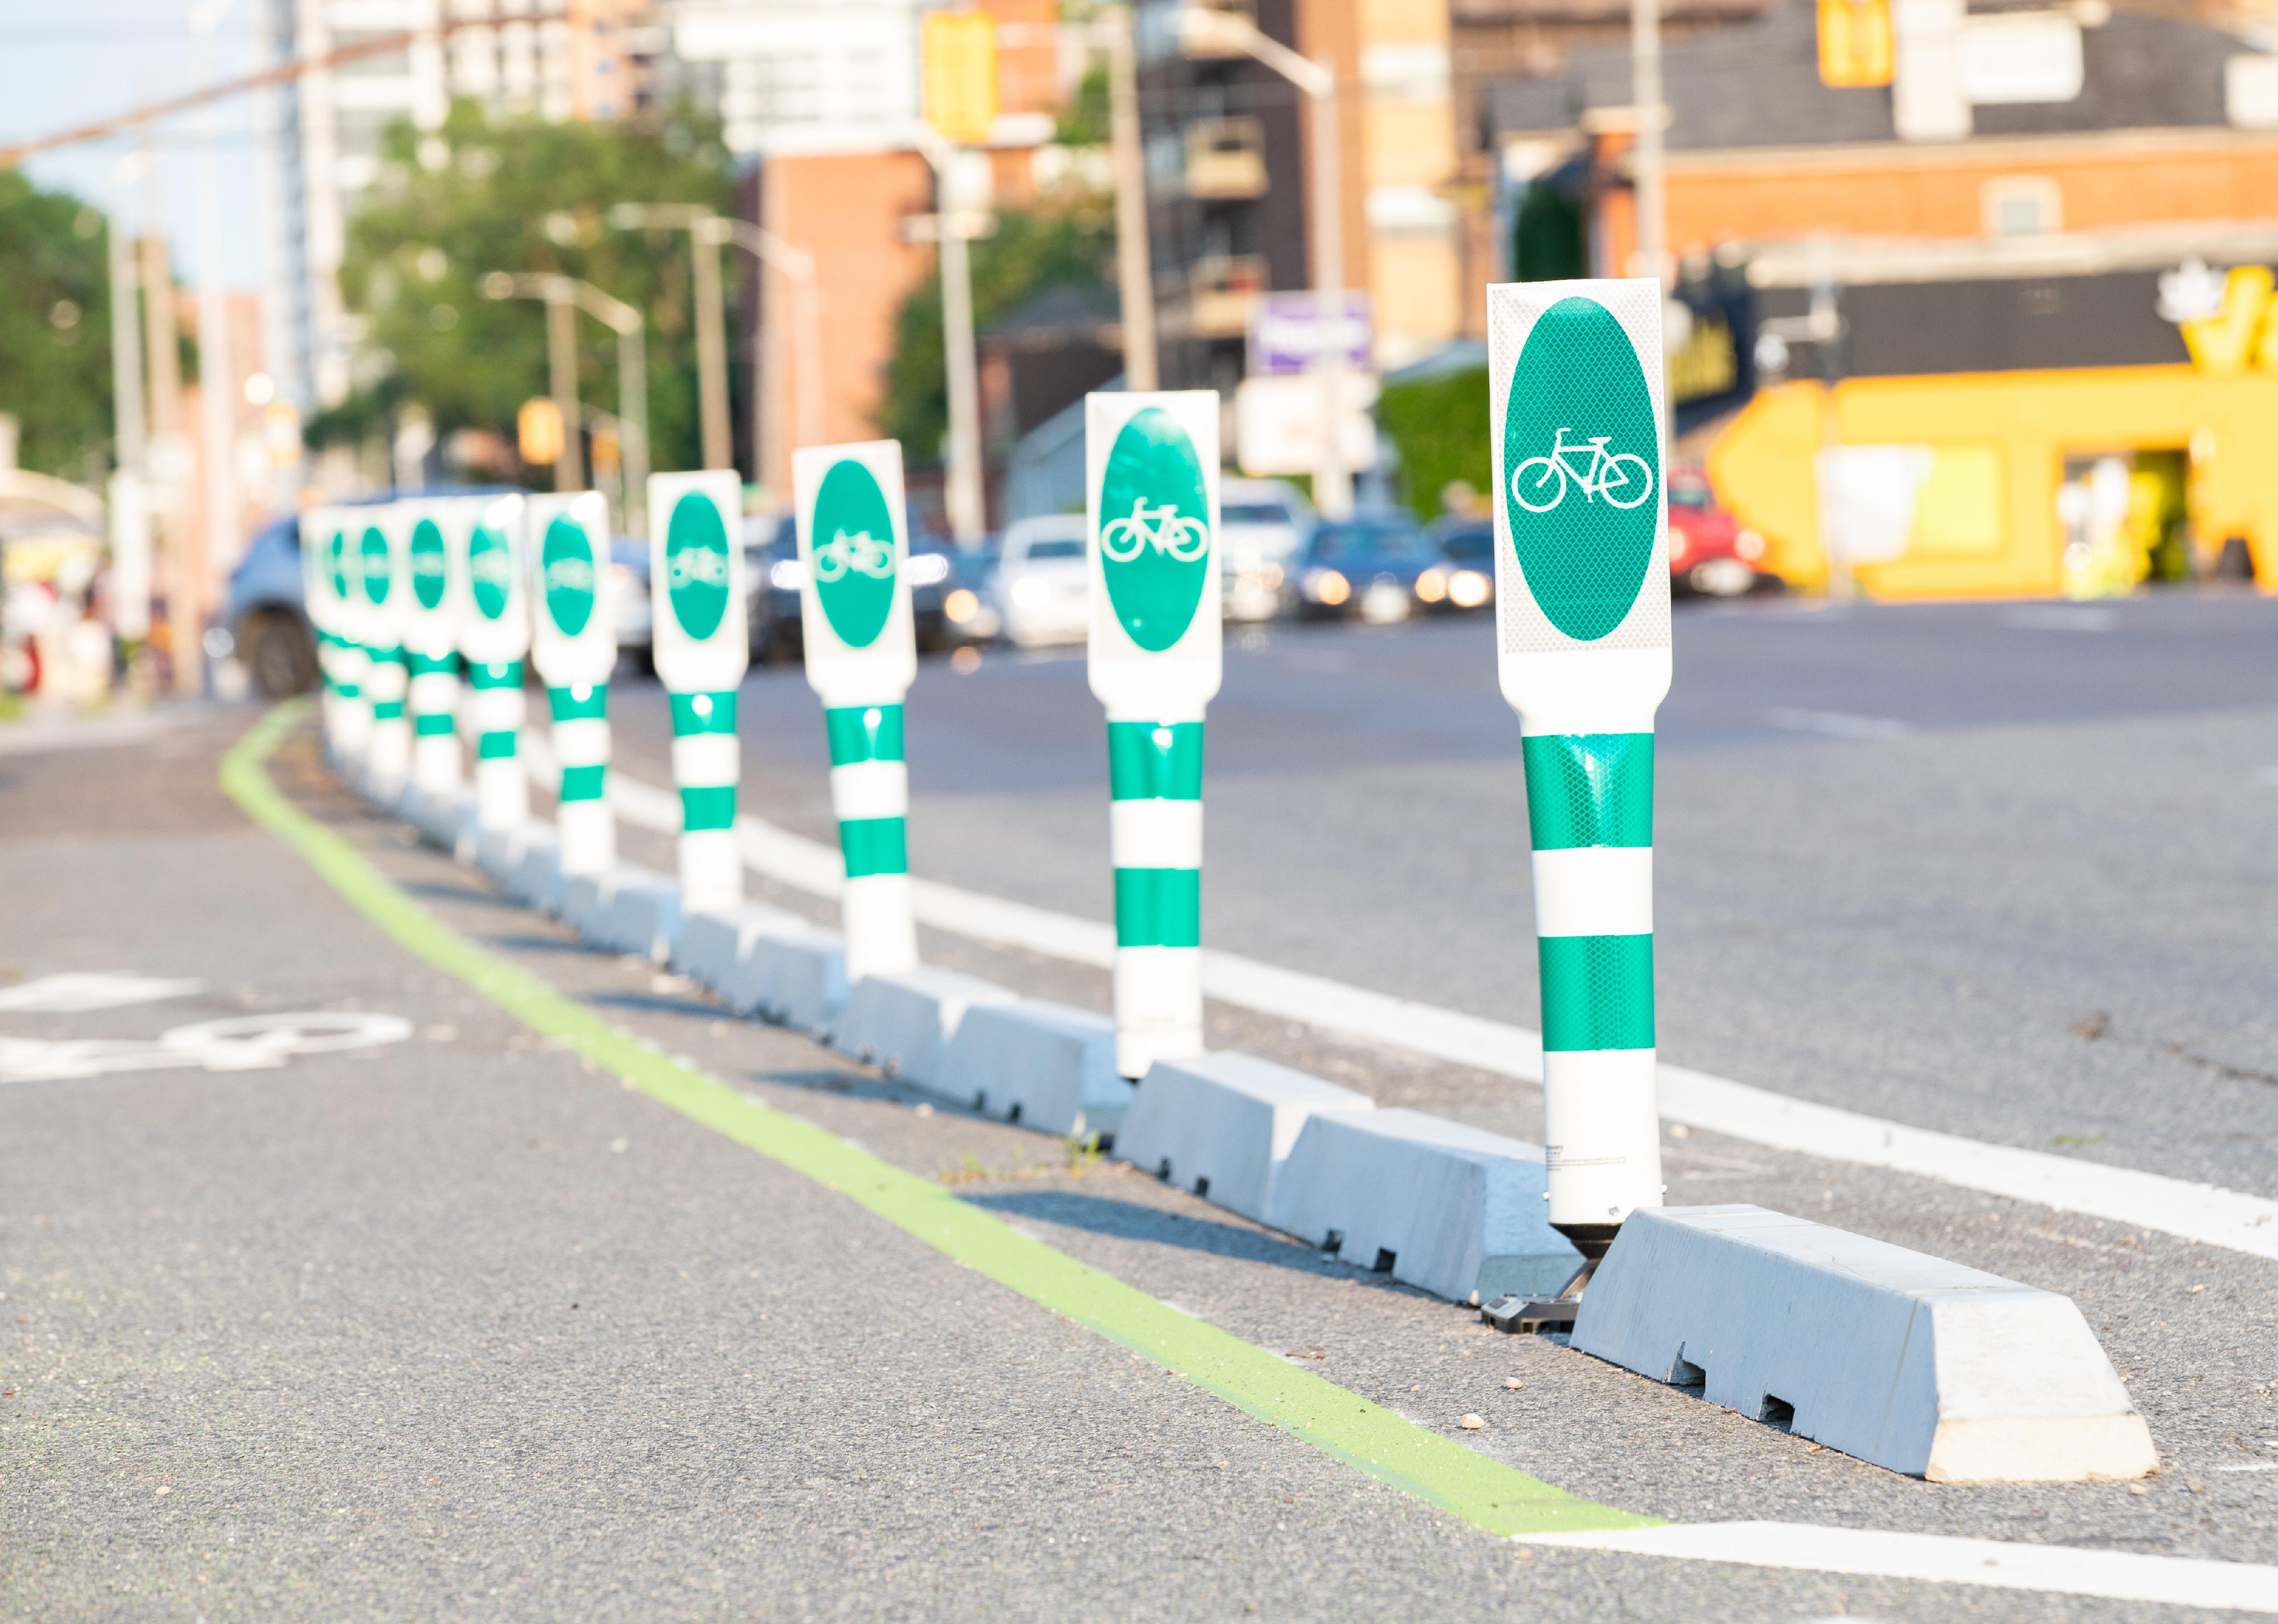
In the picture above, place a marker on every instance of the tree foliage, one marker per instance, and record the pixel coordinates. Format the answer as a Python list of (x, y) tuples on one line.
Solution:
[(55, 330), (1439, 427), (521, 195), (1028, 253)]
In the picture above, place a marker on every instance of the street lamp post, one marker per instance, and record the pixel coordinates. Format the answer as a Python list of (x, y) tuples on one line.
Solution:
[(1228, 31), (954, 226), (711, 319), (568, 295)]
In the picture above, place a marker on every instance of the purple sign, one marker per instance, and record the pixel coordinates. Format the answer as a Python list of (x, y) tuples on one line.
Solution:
[(1290, 332)]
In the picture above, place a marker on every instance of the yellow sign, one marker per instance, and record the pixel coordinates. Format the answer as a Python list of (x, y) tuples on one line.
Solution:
[(1855, 45), (537, 428), (2241, 334), (959, 51)]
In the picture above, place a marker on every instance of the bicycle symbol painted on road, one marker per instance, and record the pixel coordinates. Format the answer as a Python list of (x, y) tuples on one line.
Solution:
[(1624, 478), (1160, 528), (860, 554)]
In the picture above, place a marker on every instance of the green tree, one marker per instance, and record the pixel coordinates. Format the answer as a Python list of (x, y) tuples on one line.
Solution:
[(523, 195), (1029, 252), (55, 330), (1439, 427)]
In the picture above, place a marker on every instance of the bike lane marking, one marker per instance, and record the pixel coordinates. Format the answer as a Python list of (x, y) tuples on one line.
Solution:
[(1482, 1491), (2231, 1219)]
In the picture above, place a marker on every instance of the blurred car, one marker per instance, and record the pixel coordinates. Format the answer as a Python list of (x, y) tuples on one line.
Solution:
[(968, 608), (774, 574), (264, 613), (1709, 552), (636, 617), (1368, 565), (1464, 576), (1040, 589), (1262, 525)]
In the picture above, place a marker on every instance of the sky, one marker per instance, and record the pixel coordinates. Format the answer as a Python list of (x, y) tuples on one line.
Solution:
[(62, 66)]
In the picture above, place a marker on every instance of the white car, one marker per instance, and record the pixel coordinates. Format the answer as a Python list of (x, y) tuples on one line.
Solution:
[(1262, 525), (1042, 590)]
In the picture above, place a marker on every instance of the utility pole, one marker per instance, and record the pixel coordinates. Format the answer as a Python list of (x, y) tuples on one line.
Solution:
[(1646, 168), (1133, 263), (962, 494), (217, 373), (705, 233), (130, 504), (564, 297), (561, 375)]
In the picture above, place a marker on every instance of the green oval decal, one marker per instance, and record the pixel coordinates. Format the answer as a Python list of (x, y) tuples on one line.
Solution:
[(1581, 457), (565, 563), (337, 555), (377, 579), (1154, 530), (427, 566), (489, 570), (852, 553), (696, 565)]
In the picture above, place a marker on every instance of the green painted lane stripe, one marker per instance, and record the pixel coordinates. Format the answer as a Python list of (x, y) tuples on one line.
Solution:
[(707, 807), (568, 707), (1414, 1459), (500, 746), (717, 714), (864, 733), (1149, 761), (1159, 907), (432, 724), (1597, 992), (583, 783), (874, 846), (1589, 789)]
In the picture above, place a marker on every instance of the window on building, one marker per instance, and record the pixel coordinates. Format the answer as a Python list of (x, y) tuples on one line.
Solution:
[(2023, 206)]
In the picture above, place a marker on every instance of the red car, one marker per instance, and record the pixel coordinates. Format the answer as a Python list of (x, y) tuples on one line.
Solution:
[(1710, 552)]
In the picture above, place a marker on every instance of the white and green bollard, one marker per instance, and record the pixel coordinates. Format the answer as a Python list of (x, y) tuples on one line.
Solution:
[(702, 647), (353, 737), (573, 642), (323, 611), (861, 657), (431, 654), (1151, 467), (1582, 616), (493, 621), (380, 559)]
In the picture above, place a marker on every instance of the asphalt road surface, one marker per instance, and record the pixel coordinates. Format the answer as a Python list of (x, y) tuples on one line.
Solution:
[(459, 1325)]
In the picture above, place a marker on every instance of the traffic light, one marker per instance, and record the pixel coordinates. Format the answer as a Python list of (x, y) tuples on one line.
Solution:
[(537, 430), (1855, 46), (959, 50)]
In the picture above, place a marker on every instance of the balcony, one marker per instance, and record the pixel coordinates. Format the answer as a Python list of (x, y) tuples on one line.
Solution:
[(1221, 292), (1225, 159), (1199, 49)]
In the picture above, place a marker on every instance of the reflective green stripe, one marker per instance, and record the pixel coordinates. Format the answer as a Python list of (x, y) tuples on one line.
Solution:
[(583, 783), (718, 714), (349, 690), (710, 807), (387, 710), (381, 654), (874, 846), (495, 674), (1589, 789), (864, 733), (432, 724), (1158, 908), (1597, 992), (498, 746), (432, 664), (568, 707), (1149, 761)]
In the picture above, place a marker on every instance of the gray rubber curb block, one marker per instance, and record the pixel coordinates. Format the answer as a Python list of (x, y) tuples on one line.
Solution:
[(1044, 1066), (437, 818), (1453, 1210), (1221, 1124), (796, 975), (525, 861), (1904, 1360), (903, 1023), (628, 910), (711, 947)]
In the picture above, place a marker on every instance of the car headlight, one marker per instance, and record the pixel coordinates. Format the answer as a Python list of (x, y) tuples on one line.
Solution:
[(925, 569), (1468, 588), (787, 574), (1326, 586), (1431, 585), (960, 605), (1029, 592), (625, 584), (1749, 545)]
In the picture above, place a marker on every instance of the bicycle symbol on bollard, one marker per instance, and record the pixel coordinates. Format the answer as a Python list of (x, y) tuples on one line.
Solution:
[(860, 554), (696, 567), (1162, 528), (1624, 478)]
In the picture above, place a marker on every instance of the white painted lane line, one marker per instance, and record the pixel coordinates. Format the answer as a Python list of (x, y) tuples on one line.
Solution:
[(2060, 617), (2200, 1212), (1838, 724), (79, 992), (2070, 1570)]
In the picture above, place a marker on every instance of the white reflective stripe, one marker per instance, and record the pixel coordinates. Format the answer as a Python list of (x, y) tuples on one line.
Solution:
[(386, 679), (881, 931), (1155, 833), (495, 710), (582, 742), (870, 790), (704, 759), (434, 692), (1601, 1137), (1593, 891), (1158, 1006), (711, 871)]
